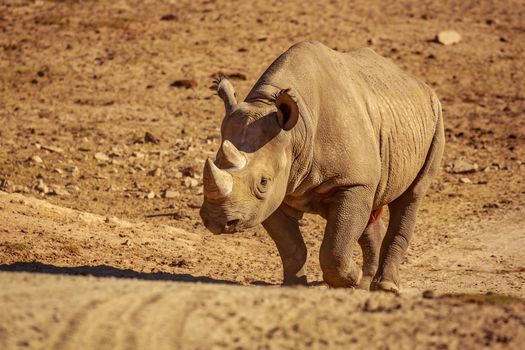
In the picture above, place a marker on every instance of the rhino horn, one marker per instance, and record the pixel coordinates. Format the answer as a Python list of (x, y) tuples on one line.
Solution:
[(227, 93), (217, 183), (232, 157)]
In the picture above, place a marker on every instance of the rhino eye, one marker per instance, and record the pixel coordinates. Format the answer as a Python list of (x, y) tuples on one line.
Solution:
[(264, 181)]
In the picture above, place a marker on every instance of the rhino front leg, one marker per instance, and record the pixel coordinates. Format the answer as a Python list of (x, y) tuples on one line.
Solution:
[(347, 217), (370, 243), (283, 228)]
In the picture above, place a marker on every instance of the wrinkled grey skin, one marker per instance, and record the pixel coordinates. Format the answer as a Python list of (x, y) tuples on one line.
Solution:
[(336, 134)]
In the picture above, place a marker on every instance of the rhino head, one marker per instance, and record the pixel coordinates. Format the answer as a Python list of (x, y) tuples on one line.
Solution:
[(249, 178)]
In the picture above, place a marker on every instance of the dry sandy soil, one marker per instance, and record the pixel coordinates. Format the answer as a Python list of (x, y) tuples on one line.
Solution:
[(83, 190)]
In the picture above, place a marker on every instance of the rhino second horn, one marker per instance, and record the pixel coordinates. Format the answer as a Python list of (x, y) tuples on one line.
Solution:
[(232, 156), (217, 183), (227, 93)]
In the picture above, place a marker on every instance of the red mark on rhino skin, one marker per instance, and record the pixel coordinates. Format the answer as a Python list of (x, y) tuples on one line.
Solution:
[(375, 215)]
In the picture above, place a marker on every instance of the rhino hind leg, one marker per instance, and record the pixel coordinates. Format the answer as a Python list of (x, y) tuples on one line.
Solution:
[(370, 242), (284, 231), (403, 212)]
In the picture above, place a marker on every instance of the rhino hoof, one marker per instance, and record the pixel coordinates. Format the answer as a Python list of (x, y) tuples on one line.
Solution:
[(365, 283), (295, 281), (385, 286)]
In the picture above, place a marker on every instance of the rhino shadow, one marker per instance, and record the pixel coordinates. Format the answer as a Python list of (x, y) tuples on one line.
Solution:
[(108, 271)]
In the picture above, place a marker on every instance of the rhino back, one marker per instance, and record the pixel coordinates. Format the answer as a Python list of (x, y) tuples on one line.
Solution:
[(369, 123)]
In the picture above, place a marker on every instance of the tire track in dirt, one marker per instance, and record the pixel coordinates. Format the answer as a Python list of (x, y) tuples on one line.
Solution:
[(75, 324)]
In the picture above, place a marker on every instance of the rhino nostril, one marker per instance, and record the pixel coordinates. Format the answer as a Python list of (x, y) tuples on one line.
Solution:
[(232, 222)]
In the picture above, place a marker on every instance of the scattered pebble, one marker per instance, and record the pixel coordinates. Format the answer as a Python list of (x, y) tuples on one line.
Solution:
[(150, 195), (42, 187), (184, 83), (150, 138), (170, 194), (195, 203), (72, 187), (20, 189), (137, 155), (169, 17), (36, 160), (52, 149), (190, 182), (155, 172), (103, 157), (72, 169), (465, 180), (448, 37), (58, 191), (3, 184), (460, 167)]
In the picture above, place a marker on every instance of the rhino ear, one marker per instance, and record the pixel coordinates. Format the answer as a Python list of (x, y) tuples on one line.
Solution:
[(226, 92), (287, 110)]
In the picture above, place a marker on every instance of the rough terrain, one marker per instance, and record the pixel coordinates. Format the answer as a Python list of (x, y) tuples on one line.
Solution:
[(107, 117)]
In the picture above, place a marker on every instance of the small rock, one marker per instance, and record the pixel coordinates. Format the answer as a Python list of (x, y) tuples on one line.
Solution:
[(428, 294), (188, 171), (103, 157), (465, 180), (3, 184), (72, 169), (184, 83), (127, 242), (150, 138), (200, 190), (195, 203), (460, 167), (58, 191), (150, 195), (448, 37), (169, 17), (72, 187), (138, 155), (155, 172), (99, 177), (170, 194), (20, 189), (57, 170), (190, 182), (42, 187), (36, 160), (52, 149)]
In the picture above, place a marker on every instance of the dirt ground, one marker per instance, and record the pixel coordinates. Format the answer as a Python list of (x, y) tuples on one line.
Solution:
[(101, 155)]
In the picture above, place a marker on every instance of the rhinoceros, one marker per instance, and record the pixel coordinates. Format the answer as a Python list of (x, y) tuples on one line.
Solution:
[(335, 134)]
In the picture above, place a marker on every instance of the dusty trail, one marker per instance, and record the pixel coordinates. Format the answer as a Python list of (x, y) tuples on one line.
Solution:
[(87, 312), (50, 309)]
